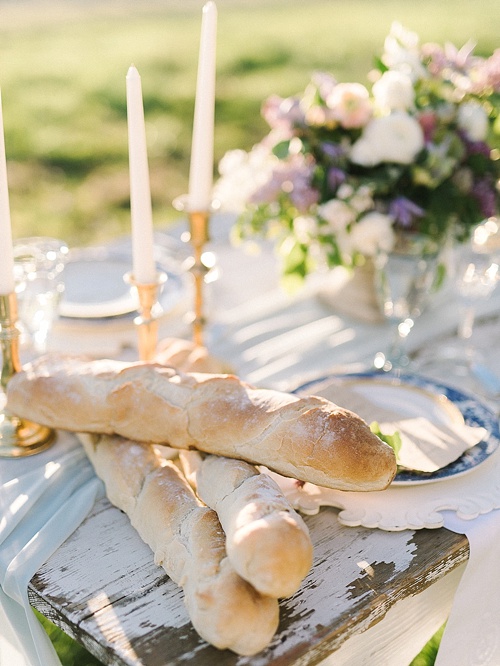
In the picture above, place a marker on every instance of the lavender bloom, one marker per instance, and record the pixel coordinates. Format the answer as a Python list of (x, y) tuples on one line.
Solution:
[(282, 114), (335, 178), (324, 82), (332, 150), (405, 211), (436, 57), (293, 178), (487, 74), (474, 147), (484, 192), (303, 196)]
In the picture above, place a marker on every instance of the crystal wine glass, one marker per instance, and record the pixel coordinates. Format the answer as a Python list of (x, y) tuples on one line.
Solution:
[(476, 275), (404, 278)]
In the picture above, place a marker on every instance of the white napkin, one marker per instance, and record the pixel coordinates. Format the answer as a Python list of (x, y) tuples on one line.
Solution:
[(40, 508), (428, 443), (471, 635), (428, 446)]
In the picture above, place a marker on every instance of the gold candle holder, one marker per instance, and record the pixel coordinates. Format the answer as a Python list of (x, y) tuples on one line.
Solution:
[(198, 230), (18, 437), (149, 311), (198, 236)]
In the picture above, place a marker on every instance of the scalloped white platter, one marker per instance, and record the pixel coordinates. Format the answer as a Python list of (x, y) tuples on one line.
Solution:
[(470, 486)]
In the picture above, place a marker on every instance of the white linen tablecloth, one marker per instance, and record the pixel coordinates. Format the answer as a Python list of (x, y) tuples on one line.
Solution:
[(272, 340)]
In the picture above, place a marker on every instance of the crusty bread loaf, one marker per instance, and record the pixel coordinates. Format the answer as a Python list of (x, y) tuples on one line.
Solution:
[(267, 542), (186, 356), (307, 438), (187, 541)]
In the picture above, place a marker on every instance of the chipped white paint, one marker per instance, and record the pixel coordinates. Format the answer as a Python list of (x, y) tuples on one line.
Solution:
[(103, 587)]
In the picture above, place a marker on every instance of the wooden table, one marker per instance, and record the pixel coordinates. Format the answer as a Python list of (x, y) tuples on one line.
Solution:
[(103, 589), (372, 597)]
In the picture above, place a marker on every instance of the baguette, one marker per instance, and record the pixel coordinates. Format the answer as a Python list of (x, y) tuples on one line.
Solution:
[(267, 542), (307, 438), (186, 356), (187, 541)]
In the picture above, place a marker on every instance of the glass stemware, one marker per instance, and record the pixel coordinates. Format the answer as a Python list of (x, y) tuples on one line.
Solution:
[(39, 264), (404, 278), (476, 275)]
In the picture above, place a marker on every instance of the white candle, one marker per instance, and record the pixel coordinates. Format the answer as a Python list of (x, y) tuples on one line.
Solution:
[(143, 265), (6, 253), (202, 149)]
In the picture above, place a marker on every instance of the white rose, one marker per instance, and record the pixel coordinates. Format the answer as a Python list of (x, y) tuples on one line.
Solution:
[(393, 91), (401, 52), (362, 199), (364, 153), (345, 191), (373, 231), (337, 213), (351, 104), (395, 138), (242, 174), (472, 118), (305, 227)]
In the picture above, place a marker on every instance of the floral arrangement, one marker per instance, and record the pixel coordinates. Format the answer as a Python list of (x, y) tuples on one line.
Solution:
[(344, 168)]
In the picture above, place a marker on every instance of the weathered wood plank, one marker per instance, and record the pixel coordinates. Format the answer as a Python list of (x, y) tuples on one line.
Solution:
[(103, 588)]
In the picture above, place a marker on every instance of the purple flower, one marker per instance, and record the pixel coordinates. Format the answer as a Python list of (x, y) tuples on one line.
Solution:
[(335, 178), (282, 114), (293, 178), (405, 211), (483, 191), (474, 147), (488, 73), (332, 150), (324, 82)]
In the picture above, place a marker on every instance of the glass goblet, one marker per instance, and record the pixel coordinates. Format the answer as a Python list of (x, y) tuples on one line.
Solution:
[(404, 279), (39, 275), (476, 275)]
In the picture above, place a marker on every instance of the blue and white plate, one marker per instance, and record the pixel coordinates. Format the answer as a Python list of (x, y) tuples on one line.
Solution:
[(416, 395)]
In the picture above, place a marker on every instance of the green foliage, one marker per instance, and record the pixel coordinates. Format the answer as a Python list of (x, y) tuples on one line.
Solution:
[(427, 656), (69, 652), (393, 440)]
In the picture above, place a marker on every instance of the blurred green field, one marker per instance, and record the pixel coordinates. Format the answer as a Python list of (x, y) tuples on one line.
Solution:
[(62, 75)]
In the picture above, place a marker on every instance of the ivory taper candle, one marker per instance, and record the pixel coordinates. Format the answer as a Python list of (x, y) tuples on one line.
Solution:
[(6, 252), (143, 264), (202, 148)]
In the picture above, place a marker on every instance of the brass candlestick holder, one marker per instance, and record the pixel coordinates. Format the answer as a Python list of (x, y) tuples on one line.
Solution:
[(198, 230), (198, 236), (18, 437), (149, 312)]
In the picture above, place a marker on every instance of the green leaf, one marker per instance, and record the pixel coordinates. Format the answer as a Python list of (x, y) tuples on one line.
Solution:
[(439, 278), (282, 149), (393, 440)]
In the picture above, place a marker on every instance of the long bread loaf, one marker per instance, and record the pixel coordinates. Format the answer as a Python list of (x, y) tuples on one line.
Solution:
[(308, 438), (267, 542), (187, 541)]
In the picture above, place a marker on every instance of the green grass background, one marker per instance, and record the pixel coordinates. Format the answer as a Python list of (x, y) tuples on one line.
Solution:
[(62, 76)]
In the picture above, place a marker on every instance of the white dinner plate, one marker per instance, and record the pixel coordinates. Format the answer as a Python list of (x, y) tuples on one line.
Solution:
[(414, 396), (95, 287)]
